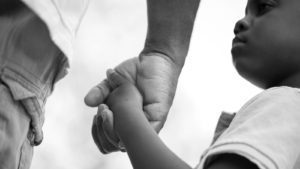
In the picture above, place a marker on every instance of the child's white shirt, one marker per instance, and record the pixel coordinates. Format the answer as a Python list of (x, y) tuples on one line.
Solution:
[(266, 130), (63, 18)]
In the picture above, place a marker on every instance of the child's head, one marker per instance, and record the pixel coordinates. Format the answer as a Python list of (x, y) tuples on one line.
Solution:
[(266, 50)]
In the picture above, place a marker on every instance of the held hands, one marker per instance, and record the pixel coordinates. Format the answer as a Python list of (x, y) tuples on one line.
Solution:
[(124, 100), (155, 73), (155, 76)]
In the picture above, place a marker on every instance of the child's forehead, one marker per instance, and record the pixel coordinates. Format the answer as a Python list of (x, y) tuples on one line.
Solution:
[(287, 4)]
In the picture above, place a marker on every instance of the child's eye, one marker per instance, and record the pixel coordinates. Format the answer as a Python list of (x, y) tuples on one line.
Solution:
[(265, 7)]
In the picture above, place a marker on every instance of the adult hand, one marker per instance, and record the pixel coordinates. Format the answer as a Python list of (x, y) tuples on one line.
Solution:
[(155, 75)]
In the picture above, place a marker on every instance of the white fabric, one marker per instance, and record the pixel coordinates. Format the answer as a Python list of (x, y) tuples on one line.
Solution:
[(63, 18), (265, 131)]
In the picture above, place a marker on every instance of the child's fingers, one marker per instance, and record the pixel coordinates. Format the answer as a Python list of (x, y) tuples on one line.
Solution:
[(115, 79), (102, 107), (97, 94)]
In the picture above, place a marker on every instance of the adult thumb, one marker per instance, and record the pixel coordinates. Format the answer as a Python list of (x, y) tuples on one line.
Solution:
[(97, 94)]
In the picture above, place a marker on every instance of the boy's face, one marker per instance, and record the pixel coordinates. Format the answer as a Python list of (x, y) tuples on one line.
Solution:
[(266, 50)]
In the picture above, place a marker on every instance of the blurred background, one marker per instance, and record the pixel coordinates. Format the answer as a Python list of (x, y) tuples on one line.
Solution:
[(114, 30)]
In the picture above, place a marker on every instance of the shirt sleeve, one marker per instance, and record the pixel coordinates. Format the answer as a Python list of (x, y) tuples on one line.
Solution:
[(63, 18), (265, 131)]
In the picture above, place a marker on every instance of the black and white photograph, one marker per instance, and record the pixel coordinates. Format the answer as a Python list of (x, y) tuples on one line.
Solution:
[(149, 84)]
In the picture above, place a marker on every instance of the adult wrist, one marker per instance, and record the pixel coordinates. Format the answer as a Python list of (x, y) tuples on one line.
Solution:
[(172, 52), (170, 62), (170, 25)]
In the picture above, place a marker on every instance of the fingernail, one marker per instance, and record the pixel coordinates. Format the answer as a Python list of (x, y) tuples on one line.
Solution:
[(94, 92), (93, 97), (109, 72), (101, 107)]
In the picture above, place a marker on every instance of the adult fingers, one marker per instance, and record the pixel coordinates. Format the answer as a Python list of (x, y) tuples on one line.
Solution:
[(103, 144), (98, 94), (108, 124), (156, 116), (156, 125), (108, 127)]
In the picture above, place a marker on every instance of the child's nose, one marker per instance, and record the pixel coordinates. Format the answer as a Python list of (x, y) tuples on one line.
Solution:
[(241, 26)]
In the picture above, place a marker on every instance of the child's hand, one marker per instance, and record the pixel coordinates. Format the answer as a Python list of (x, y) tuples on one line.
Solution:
[(125, 98), (123, 101)]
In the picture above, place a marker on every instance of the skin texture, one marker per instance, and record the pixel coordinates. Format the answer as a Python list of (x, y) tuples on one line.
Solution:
[(156, 77), (270, 55), (266, 54), (155, 72), (134, 130)]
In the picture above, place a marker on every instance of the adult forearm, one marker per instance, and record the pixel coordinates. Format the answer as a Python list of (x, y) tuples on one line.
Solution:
[(170, 25), (144, 147)]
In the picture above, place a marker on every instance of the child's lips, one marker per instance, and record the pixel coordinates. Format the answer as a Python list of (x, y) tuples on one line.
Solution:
[(238, 44), (238, 41)]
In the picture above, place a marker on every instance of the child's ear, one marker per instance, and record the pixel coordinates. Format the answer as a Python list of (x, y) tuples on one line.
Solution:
[(115, 79)]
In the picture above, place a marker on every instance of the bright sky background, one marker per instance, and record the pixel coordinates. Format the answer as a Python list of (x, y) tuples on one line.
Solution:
[(114, 30)]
